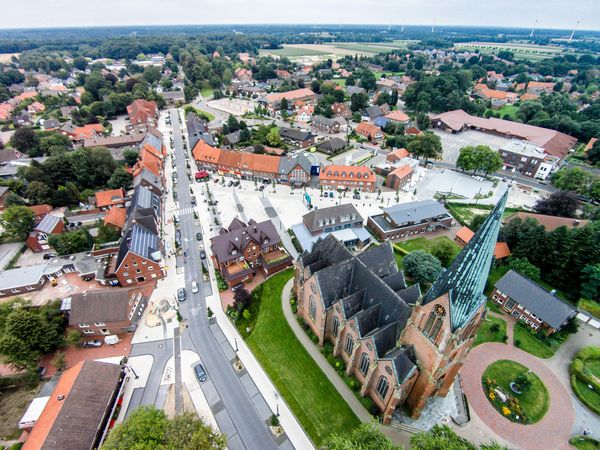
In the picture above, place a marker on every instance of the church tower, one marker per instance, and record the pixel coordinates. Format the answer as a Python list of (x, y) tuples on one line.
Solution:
[(445, 320)]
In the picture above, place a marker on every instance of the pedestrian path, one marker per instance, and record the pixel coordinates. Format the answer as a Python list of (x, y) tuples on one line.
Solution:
[(184, 211)]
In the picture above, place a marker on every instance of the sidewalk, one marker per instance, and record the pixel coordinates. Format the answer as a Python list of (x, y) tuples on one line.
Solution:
[(395, 434), (288, 421)]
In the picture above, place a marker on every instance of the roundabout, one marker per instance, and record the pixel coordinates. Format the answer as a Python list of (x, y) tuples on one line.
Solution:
[(551, 420)]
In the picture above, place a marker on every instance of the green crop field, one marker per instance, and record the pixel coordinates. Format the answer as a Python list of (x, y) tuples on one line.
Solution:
[(291, 52), (521, 51)]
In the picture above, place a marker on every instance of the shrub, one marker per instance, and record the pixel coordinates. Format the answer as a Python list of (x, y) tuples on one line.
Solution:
[(274, 420), (517, 343), (314, 338), (495, 328)]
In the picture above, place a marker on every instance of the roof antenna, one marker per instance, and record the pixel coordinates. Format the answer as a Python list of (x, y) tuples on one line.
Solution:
[(533, 29), (573, 32)]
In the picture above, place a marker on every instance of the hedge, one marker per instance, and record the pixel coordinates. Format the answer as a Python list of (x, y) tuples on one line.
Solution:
[(579, 372)]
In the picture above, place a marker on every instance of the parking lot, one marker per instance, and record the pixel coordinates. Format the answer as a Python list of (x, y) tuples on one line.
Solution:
[(453, 142), (235, 106)]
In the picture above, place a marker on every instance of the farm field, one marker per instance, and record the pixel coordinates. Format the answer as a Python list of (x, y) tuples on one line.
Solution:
[(6, 57), (521, 51), (335, 50)]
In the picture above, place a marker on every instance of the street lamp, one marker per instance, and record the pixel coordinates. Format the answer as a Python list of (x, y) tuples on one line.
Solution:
[(276, 404), (236, 346), (128, 367)]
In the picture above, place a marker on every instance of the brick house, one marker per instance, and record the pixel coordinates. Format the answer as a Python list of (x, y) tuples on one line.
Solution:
[(139, 256), (529, 302), (40, 211), (104, 312), (400, 177), (347, 177), (143, 114), (333, 218), (297, 137), (110, 198), (327, 125), (408, 219), (369, 131), (240, 250), (341, 110), (37, 241), (404, 347), (465, 234)]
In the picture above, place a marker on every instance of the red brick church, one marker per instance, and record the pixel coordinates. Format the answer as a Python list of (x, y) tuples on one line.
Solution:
[(403, 346)]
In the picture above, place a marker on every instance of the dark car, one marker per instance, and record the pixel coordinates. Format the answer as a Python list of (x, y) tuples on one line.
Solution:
[(202, 254), (230, 184), (193, 201), (181, 294), (200, 373), (331, 195), (261, 187), (50, 255), (236, 183), (198, 236), (92, 344)]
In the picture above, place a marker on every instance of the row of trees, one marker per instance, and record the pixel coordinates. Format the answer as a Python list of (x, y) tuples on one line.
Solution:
[(579, 181)]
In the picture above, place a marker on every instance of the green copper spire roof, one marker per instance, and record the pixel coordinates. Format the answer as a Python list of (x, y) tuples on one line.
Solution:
[(464, 280)]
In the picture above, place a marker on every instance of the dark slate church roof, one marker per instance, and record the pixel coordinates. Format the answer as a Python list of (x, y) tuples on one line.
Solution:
[(367, 287), (536, 299), (464, 281)]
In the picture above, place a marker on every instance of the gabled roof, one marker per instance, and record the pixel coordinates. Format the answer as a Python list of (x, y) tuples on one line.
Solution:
[(73, 416), (147, 175), (141, 111), (397, 116), (535, 298), (109, 305), (48, 224), (290, 95), (311, 219), (40, 210), (289, 163), (332, 145), (295, 134), (415, 211), (116, 216), (239, 235), (110, 197)]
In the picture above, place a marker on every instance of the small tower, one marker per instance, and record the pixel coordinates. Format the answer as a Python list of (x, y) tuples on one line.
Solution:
[(445, 320)]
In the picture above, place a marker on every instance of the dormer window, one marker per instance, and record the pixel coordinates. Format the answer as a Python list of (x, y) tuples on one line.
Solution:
[(266, 241), (234, 252)]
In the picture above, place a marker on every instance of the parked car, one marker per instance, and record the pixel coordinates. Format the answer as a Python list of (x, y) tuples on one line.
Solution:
[(195, 287), (193, 201), (202, 254), (181, 294), (261, 187), (176, 218), (92, 344), (236, 183), (198, 236), (230, 183), (331, 195), (200, 373), (50, 255)]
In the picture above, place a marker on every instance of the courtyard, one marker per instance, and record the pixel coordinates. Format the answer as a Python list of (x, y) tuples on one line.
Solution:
[(453, 142), (235, 106)]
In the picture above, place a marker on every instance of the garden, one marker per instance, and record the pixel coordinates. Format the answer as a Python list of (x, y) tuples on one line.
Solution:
[(539, 344), (493, 329), (585, 377), (313, 399), (515, 392)]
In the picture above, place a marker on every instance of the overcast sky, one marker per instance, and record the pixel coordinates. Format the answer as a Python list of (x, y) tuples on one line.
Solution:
[(517, 13)]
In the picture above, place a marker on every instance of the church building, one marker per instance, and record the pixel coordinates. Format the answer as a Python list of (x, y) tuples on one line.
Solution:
[(404, 346)]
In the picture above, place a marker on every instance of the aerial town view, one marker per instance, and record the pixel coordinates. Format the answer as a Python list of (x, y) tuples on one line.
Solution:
[(334, 225)]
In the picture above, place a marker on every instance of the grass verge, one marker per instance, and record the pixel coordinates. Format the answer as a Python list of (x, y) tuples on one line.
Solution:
[(309, 393), (493, 329), (525, 340)]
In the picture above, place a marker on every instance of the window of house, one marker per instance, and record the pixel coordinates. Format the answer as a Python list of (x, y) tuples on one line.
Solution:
[(88, 331), (336, 326), (99, 324), (382, 386), (150, 267), (84, 325), (364, 363), (429, 323), (435, 329), (138, 270), (349, 345), (312, 308), (129, 281)]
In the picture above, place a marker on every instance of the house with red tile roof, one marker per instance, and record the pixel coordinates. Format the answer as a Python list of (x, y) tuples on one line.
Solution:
[(116, 216), (143, 114), (397, 155), (273, 100), (465, 234), (482, 91), (112, 197), (77, 413), (334, 176), (400, 177), (397, 116), (369, 131), (89, 131), (589, 145), (39, 211), (36, 108), (537, 87)]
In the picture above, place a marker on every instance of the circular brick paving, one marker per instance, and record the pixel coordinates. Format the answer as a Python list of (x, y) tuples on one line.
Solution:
[(551, 432)]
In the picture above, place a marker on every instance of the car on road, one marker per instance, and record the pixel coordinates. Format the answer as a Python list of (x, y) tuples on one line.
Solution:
[(331, 195), (230, 184), (216, 180), (198, 236), (176, 218), (261, 187), (92, 344), (195, 287), (202, 254), (236, 183), (50, 255), (200, 373), (193, 200), (181, 294)]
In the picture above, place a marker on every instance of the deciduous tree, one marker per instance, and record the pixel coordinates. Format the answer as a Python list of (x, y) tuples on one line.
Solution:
[(423, 267), (17, 221)]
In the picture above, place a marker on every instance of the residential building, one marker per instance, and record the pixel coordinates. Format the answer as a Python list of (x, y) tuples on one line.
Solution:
[(548, 222), (400, 177), (273, 100), (40, 211), (173, 98), (539, 87), (78, 412), (370, 113), (360, 178), (105, 312), (465, 234), (397, 155), (197, 129), (553, 142), (139, 257), (482, 91), (143, 114), (332, 146), (327, 125), (527, 159), (37, 241), (126, 140), (51, 124), (294, 170), (107, 199), (86, 132), (341, 110), (370, 131), (403, 347), (241, 250), (355, 90), (532, 304), (333, 218), (149, 180), (305, 113), (409, 219), (397, 116), (116, 216), (297, 137)]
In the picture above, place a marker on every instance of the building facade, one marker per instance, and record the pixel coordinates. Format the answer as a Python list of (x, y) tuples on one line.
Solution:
[(408, 219), (403, 347), (347, 178), (527, 159), (333, 218)]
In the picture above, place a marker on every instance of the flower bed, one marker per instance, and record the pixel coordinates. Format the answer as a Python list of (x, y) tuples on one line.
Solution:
[(525, 408)]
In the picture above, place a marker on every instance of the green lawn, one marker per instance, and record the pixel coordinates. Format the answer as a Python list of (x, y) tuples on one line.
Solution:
[(492, 306), (588, 396), (511, 110), (584, 443), (485, 333), (313, 399), (421, 243), (534, 401), (464, 212), (207, 91), (291, 52), (590, 306), (532, 344)]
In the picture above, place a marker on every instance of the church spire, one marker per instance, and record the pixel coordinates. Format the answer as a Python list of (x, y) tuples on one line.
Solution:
[(464, 281)]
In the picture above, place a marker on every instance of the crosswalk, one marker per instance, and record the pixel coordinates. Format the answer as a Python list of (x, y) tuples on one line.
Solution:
[(184, 211)]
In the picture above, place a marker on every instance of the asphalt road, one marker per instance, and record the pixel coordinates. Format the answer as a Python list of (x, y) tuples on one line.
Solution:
[(239, 418)]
